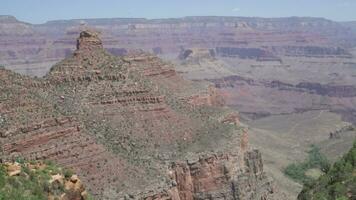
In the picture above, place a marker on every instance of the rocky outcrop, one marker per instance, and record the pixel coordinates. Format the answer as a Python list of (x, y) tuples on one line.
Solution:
[(216, 177), (64, 142), (212, 98), (74, 186), (195, 55), (13, 169), (336, 134), (88, 41), (135, 100), (244, 53), (43, 180), (230, 81), (202, 178), (119, 121)]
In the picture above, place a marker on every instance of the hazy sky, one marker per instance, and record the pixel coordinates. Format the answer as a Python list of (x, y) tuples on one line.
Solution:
[(39, 11)]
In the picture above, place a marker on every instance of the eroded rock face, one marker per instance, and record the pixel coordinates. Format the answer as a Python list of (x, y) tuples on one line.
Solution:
[(203, 177), (340, 91), (212, 98), (119, 122), (63, 141), (330, 90), (248, 38), (217, 177), (287, 97), (88, 41), (244, 53), (195, 54)]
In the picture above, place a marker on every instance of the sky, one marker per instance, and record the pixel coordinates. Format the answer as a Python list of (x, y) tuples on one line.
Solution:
[(40, 11)]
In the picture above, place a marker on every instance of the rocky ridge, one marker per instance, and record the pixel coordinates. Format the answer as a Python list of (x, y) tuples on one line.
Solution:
[(120, 122), (215, 177)]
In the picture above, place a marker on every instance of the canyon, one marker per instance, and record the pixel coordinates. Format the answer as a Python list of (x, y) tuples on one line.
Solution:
[(290, 80), (32, 48), (128, 128)]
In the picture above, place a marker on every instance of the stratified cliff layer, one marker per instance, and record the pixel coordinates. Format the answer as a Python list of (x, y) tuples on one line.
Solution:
[(216, 177), (32, 49), (120, 123)]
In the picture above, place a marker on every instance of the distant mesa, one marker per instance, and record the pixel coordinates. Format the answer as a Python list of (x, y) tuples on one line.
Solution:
[(10, 26), (8, 19), (196, 53)]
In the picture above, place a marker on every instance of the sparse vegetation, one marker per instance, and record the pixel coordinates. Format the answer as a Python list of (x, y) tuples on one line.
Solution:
[(338, 183), (316, 161), (28, 185), (143, 133), (32, 183)]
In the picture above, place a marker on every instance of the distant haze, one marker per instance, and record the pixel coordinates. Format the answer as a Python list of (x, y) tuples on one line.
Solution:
[(40, 11)]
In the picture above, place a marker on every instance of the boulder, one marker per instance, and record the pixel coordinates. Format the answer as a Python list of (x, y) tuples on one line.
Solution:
[(13, 169)]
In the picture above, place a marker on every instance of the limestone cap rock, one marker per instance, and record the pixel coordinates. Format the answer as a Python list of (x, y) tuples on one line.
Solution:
[(88, 41)]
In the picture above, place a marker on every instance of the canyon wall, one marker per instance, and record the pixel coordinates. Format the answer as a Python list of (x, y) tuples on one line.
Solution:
[(284, 98), (32, 49), (216, 177), (120, 123)]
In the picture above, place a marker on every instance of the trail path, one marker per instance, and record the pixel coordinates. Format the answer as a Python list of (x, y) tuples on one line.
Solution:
[(302, 121)]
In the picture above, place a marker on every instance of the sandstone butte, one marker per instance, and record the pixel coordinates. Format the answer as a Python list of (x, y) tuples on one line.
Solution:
[(131, 128)]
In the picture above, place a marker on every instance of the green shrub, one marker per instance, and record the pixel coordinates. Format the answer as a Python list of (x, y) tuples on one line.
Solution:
[(317, 160), (68, 173), (30, 185), (337, 183), (297, 171), (2, 176), (342, 198)]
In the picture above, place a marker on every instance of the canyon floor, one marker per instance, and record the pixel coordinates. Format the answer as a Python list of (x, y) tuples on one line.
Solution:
[(285, 139), (278, 123), (284, 120)]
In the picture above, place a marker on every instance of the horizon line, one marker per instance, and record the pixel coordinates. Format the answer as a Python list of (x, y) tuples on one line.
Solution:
[(170, 18)]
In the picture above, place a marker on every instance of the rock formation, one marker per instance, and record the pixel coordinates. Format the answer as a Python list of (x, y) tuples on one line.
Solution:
[(212, 98), (135, 107), (88, 43), (247, 38), (196, 55), (291, 97), (39, 180), (119, 123), (216, 177)]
